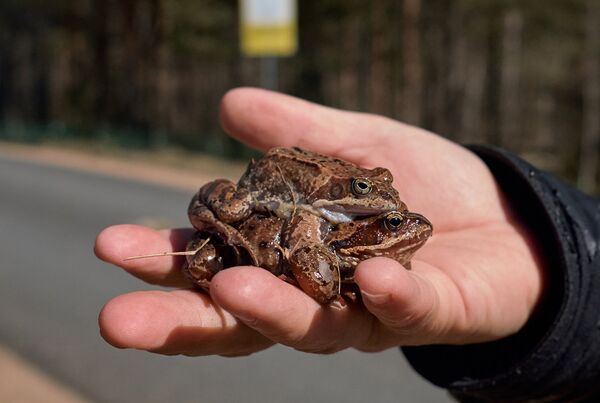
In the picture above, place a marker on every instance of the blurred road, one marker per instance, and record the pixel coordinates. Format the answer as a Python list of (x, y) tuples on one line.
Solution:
[(52, 288)]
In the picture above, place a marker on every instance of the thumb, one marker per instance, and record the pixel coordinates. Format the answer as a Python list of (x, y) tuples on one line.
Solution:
[(406, 304)]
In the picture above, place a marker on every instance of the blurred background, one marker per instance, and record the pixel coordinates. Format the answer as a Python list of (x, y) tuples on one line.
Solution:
[(95, 93), (149, 73)]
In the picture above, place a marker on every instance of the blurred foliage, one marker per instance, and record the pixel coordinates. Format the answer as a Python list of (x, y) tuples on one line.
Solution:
[(145, 73)]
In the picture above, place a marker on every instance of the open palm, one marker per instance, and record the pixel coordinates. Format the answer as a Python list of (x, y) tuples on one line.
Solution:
[(477, 279)]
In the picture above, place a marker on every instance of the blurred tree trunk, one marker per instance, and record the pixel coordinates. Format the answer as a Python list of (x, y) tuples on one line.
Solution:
[(434, 69), (378, 83), (24, 77), (471, 122), (411, 53), (100, 45), (396, 85), (540, 145), (5, 71), (40, 60), (510, 75), (590, 138), (159, 108), (127, 102), (350, 68), (310, 75), (457, 70), (363, 62)]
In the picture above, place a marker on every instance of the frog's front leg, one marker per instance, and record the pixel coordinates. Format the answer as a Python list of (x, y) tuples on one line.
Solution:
[(314, 265), (225, 199)]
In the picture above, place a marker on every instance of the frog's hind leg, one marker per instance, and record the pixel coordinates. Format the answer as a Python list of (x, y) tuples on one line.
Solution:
[(314, 265), (317, 272), (223, 197)]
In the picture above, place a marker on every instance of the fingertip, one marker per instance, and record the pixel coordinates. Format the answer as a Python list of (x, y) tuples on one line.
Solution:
[(402, 300), (380, 278), (231, 101), (125, 245), (175, 322), (244, 114), (131, 320), (265, 119), (113, 241)]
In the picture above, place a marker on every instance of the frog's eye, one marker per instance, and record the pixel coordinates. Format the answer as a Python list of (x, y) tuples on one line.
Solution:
[(393, 221), (361, 187)]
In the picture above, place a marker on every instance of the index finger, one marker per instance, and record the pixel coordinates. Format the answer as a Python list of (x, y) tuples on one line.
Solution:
[(265, 119)]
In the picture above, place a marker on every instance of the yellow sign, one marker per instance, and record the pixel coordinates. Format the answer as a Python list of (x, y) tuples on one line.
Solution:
[(268, 27)]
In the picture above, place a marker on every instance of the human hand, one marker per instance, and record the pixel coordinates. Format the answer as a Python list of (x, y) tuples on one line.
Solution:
[(477, 279)]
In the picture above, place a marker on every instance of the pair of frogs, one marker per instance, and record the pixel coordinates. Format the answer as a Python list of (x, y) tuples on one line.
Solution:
[(305, 217)]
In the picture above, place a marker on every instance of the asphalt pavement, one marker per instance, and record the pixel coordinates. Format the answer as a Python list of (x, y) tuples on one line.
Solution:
[(52, 288)]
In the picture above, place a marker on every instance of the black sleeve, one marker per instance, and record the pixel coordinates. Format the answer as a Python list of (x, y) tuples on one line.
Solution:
[(556, 355)]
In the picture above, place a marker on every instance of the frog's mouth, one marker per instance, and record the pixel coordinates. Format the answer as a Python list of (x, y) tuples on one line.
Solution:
[(337, 217), (339, 213)]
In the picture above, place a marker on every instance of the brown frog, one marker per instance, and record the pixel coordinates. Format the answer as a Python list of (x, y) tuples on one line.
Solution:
[(328, 270), (271, 242), (302, 187), (287, 179)]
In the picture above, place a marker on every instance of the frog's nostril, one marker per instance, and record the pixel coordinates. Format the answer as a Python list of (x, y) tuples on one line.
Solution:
[(418, 219)]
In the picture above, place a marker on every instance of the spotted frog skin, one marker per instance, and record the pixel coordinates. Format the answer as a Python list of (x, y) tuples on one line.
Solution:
[(285, 180), (305, 217), (328, 271), (256, 241), (266, 241), (301, 187)]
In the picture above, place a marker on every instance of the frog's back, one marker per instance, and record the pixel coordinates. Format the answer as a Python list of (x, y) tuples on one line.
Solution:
[(301, 176), (283, 170)]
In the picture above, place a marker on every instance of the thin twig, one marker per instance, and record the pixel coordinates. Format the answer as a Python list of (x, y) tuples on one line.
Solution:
[(186, 253)]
